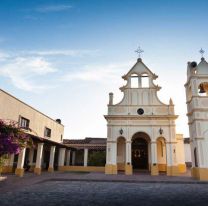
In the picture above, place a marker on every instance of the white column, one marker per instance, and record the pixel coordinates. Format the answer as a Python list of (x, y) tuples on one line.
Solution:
[(39, 155), (52, 155), (154, 152), (20, 163), (68, 155), (73, 157), (31, 154), (139, 82), (154, 165), (114, 153), (85, 157), (61, 157), (108, 153), (128, 152), (21, 159)]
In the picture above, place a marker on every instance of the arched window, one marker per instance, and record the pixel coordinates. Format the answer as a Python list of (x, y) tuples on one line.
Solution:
[(145, 80), (134, 81), (203, 89)]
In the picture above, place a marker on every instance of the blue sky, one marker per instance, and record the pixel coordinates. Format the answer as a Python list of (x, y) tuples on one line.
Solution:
[(64, 57)]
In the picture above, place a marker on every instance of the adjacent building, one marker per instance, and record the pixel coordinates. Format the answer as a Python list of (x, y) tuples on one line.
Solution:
[(47, 134)]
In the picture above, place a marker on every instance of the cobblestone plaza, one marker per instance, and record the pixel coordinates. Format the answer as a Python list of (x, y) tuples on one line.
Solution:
[(99, 189)]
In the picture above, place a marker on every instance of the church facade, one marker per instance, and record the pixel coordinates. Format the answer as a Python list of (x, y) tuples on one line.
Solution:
[(141, 132)]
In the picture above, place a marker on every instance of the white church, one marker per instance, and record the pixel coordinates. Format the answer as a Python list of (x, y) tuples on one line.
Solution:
[(141, 133), (141, 129)]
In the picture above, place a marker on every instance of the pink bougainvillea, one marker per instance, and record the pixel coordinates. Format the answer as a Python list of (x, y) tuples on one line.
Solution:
[(12, 138)]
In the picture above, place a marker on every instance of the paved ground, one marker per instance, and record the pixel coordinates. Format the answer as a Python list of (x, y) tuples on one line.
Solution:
[(99, 189)]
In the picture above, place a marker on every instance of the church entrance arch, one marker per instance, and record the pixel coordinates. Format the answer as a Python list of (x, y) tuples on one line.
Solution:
[(140, 154)]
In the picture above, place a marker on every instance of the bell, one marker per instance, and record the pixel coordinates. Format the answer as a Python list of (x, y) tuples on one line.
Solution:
[(201, 89)]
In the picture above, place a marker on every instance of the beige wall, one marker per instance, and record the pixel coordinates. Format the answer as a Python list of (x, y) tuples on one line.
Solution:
[(11, 109)]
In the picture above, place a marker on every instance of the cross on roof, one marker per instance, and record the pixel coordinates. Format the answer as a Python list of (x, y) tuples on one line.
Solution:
[(201, 51), (139, 51)]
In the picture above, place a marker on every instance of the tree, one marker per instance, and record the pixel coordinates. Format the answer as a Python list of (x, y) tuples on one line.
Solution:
[(97, 158), (12, 140)]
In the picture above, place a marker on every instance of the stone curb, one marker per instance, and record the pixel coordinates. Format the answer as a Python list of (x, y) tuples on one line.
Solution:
[(124, 181)]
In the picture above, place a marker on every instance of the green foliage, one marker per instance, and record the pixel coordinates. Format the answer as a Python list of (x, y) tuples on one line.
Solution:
[(97, 158)]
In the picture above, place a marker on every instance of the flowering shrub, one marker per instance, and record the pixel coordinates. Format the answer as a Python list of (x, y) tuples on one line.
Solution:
[(12, 139)]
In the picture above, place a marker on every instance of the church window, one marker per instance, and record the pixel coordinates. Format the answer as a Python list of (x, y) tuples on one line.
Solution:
[(140, 111), (203, 89), (195, 71), (145, 80), (134, 81)]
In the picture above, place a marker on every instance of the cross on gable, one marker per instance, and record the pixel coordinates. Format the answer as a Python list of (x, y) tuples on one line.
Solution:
[(201, 51), (139, 51)]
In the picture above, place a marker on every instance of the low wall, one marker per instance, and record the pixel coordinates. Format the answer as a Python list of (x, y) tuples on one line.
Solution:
[(83, 169)]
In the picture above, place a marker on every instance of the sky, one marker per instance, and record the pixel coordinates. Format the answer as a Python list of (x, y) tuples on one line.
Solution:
[(64, 57)]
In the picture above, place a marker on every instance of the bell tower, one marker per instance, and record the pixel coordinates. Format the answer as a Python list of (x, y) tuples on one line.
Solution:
[(197, 107)]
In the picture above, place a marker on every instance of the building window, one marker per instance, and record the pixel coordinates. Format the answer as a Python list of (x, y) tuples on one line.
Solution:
[(47, 132), (24, 123), (61, 137)]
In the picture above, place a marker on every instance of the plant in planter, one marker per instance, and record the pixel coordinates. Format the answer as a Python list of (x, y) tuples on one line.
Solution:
[(12, 140)]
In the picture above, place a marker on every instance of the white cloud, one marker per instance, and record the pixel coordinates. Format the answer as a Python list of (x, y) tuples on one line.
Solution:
[(99, 73), (3, 56), (30, 17), (22, 71), (26, 68), (53, 8), (63, 52)]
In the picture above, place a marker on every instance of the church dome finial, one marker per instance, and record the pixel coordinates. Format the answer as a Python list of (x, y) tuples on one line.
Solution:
[(139, 60)]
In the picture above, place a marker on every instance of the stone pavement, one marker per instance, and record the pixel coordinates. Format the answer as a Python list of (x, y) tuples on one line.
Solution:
[(67, 188)]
